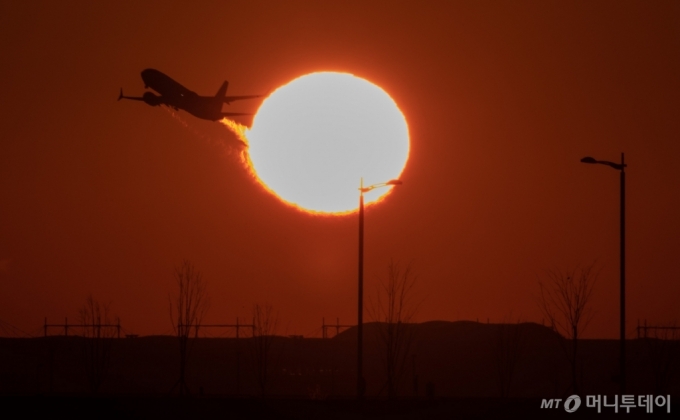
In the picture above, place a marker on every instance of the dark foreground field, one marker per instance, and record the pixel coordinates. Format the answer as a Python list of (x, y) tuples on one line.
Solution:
[(452, 359), (458, 370), (159, 407)]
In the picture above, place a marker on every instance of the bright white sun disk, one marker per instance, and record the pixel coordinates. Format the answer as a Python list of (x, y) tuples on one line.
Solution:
[(313, 139)]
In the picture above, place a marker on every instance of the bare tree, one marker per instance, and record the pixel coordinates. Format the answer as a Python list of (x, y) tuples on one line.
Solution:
[(96, 324), (187, 309), (510, 343), (265, 324), (394, 310), (565, 301)]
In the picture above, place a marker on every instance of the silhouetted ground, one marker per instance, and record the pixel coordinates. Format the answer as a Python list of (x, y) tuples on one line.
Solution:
[(292, 408), (459, 359)]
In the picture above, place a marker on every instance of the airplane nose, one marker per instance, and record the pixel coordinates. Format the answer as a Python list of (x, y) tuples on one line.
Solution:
[(147, 75)]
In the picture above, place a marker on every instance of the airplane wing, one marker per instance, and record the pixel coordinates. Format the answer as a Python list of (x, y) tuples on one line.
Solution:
[(235, 114), (228, 99)]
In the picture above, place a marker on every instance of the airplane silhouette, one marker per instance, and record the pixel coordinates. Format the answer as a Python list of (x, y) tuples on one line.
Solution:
[(176, 96)]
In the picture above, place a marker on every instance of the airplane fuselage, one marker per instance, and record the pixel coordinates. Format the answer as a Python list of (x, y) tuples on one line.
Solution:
[(178, 97), (174, 95)]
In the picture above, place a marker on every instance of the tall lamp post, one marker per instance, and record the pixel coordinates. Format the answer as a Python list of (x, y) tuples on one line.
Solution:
[(622, 356), (361, 383)]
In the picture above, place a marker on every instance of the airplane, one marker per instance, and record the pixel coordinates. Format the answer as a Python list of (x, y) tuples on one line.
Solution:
[(176, 96)]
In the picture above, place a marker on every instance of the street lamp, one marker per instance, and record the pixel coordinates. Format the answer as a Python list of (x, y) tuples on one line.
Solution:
[(361, 383), (622, 356)]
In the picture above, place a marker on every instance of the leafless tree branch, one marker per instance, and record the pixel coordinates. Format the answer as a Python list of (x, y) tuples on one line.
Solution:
[(187, 310), (564, 299), (393, 310), (265, 325), (96, 320), (510, 342)]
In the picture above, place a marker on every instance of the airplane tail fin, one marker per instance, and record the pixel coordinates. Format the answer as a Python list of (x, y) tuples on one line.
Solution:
[(148, 97), (222, 92)]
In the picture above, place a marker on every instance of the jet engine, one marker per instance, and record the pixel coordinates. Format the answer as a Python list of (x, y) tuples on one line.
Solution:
[(152, 99)]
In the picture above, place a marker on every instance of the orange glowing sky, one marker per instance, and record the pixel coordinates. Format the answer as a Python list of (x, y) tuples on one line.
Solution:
[(501, 100)]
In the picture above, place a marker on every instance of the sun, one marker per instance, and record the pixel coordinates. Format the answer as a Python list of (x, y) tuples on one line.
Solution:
[(315, 138)]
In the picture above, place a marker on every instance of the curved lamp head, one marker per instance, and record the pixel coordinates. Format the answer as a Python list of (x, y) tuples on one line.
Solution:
[(374, 186), (617, 166)]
